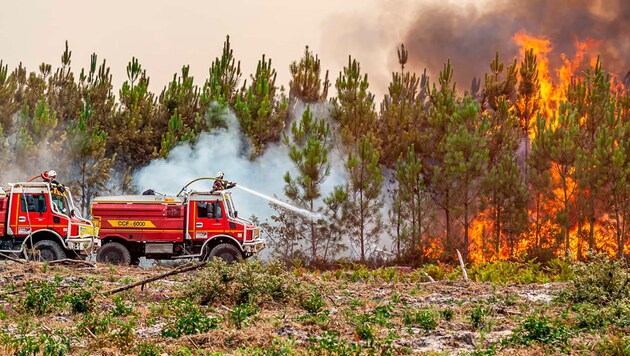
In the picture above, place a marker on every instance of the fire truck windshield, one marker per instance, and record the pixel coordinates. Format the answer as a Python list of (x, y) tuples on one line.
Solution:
[(60, 204), (230, 208)]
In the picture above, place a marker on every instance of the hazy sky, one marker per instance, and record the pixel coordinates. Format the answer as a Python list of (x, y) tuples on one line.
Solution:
[(165, 35)]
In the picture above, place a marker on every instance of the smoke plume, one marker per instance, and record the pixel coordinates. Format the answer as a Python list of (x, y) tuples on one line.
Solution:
[(471, 35), (225, 151)]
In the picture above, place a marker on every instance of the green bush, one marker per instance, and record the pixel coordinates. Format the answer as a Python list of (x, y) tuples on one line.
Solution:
[(81, 300), (600, 281), (41, 297), (245, 282), (189, 320), (618, 345), (120, 308), (423, 318), (538, 329), (240, 314), (478, 315), (313, 304)]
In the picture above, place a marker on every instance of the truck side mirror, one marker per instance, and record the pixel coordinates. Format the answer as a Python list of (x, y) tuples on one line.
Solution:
[(235, 213), (72, 214)]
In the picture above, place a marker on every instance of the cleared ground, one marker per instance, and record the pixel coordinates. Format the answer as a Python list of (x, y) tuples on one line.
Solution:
[(255, 308)]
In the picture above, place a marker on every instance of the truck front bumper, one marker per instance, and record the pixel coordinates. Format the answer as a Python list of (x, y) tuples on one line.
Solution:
[(83, 244), (255, 246)]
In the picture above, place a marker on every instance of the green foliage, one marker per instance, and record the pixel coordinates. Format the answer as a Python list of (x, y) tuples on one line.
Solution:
[(617, 345), (261, 111), (353, 108), (56, 343), (313, 303), (239, 283), (81, 300), (600, 281), (148, 349), (424, 318), (539, 329), (306, 84), (120, 307), (240, 314), (362, 210), (189, 320), (478, 315), (41, 297)]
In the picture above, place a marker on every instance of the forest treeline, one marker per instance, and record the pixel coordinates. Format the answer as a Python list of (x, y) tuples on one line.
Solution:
[(500, 172)]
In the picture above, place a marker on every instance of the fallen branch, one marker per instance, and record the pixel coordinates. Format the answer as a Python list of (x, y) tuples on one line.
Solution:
[(18, 260), (69, 261), (429, 277), (461, 263), (152, 279)]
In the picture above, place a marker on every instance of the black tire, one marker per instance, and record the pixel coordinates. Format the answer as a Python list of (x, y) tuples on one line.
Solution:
[(114, 253), (47, 250), (227, 252)]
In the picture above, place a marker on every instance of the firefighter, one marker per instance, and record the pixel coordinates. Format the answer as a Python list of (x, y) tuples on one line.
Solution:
[(221, 184), (52, 176)]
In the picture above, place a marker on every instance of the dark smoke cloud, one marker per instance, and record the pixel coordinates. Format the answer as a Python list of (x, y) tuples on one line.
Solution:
[(470, 37)]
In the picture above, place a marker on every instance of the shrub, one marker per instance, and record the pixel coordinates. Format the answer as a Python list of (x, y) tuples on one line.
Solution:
[(601, 281), (478, 315), (314, 303), (423, 318), (41, 297), (120, 308), (81, 300), (245, 282), (538, 329), (615, 345), (241, 313), (189, 320)]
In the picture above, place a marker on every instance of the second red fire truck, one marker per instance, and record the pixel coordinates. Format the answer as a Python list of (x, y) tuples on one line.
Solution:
[(198, 224)]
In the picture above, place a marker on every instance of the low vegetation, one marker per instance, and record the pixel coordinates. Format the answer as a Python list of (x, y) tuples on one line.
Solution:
[(258, 308)]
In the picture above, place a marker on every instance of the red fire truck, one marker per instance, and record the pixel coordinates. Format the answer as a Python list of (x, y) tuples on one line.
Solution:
[(39, 220), (192, 225)]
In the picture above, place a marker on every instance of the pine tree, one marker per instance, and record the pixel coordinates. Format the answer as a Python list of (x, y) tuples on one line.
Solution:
[(181, 98), (362, 210), (403, 115), (63, 94), (8, 104), (412, 206), (308, 150), (306, 83), (136, 140), (592, 98), (221, 89), (225, 75), (442, 106), (86, 151), (465, 161), (262, 112), (353, 108), (527, 102), (611, 162)]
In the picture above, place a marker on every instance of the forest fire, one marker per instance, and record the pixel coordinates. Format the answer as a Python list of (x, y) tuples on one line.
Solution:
[(555, 223)]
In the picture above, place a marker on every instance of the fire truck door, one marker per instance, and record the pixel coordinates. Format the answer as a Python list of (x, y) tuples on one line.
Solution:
[(208, 219), (30, 213)]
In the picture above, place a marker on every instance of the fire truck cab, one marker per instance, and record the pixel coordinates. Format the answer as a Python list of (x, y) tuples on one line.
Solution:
[(196, 225), (39, 220)]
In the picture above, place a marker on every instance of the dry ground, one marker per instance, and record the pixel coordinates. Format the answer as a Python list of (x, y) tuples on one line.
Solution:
[(62, 309)]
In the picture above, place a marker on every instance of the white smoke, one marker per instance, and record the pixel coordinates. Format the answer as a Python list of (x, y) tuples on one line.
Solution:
[(225, 151)]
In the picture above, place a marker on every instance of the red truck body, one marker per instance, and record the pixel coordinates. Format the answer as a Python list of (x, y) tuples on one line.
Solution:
[(40, 216), (197, 225)]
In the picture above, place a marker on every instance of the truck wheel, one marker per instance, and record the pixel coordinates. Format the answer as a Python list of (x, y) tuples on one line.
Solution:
[(47, 250), (114, 253), (227, 252)]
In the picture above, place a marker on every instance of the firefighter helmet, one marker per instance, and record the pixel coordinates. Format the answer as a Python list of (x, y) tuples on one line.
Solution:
[(220, 175), (52, 174)]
